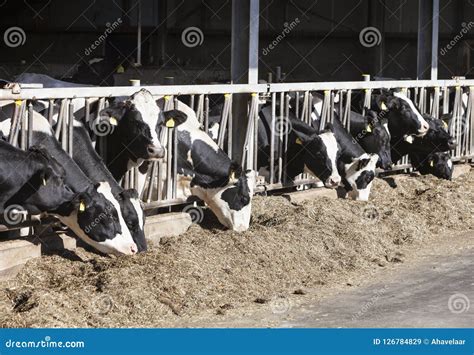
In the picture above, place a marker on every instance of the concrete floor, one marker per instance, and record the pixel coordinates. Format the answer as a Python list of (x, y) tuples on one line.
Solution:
[(417, 297), (433, 288)]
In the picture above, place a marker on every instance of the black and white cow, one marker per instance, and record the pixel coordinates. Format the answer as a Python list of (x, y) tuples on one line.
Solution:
[(356, 167), (205, 171), (134, 139), (129, 125), (438, 164), (404, 119), (33, 180), (436, 140), (307, 150), (97, 219), (93, 166), (373, 135)]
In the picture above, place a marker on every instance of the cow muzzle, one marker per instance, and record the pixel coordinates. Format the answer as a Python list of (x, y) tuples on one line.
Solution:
[(452, 143), (424, 127), (332, 182), (155, 152)]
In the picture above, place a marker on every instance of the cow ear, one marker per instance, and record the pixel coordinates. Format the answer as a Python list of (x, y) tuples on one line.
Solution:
[(81, 202), (362, 163), (382, 101), (174, 118), (113, 114), (329, 127), (235, 171), (302, 138)]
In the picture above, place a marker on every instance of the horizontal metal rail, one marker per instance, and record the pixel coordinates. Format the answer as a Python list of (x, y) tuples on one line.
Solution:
[(162, 176), (177, 90)]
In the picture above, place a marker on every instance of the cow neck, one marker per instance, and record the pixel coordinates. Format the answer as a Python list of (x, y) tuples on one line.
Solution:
[(90, 162)]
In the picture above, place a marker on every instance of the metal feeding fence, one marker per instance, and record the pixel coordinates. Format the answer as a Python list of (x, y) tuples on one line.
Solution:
[(160, 189)]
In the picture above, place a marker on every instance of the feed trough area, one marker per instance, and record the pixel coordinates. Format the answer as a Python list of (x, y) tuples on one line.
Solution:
[(238, 164), (291, 254)]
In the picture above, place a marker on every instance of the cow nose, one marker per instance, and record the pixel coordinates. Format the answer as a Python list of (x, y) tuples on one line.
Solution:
[(155, 152), (452, 143), (424, 128), (133, 249), (333, 182)]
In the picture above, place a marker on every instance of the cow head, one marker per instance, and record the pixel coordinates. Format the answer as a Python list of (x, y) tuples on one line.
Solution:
[(94, 216), (404, 119), (438, 164), (46, 190), (437, 139), (320, 153), (134, 217), (232, 203), (377, 139), (132, 132), (359, 175)]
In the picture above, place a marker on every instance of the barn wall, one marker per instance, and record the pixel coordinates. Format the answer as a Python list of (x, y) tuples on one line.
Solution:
[(323, 45)]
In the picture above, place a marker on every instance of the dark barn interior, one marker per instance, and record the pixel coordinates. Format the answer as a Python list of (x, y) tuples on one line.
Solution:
[(315, 40)]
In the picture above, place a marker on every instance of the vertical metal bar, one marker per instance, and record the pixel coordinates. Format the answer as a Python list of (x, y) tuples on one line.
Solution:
[(174, 133), (297, 104), (229, 129), (152, 173), (434, 40), (283, 127), (272, 140), (71, 127), (206, 114), (253, 41), (169, 163), (445, 100), (30, 125), (139, 32), (50, 111), (64, 130), (255, 138)]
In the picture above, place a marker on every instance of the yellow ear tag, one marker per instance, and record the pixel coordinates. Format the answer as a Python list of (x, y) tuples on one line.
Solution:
[(432, 163), (383, 106), (368, 129), (120, 69), (170, 123), (232, 175), (82, 206), (18, 102), (445, 125), (113, 121), (299, 141), (44, 181)]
